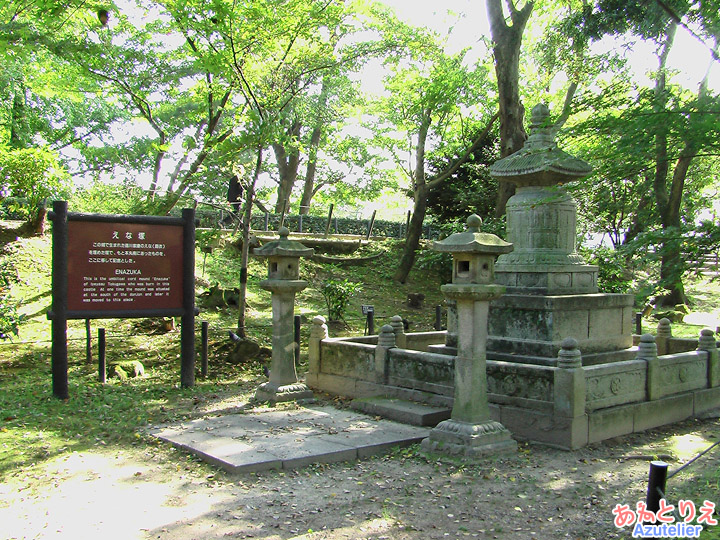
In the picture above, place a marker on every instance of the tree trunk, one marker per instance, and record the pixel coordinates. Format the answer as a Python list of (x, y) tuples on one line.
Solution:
[(668, 201), (421, 188), (309, 185), (288, 164), (412, 242), (245, 252), (660, 106), (671, 269), (672, 264), (507, 40)]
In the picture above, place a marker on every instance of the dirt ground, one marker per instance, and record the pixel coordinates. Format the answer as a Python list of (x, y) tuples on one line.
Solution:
[(152, 491)]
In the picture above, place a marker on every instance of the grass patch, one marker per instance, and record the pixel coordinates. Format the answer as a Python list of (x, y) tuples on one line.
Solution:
[(35, 426)]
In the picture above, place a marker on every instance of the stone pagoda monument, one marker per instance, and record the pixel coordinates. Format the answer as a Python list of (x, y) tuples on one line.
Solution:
[(283, 282), (552, 292), (471, 431)]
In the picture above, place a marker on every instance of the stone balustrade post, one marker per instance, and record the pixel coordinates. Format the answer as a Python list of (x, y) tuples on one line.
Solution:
[(318, 332), (399, 329), (707, 343), (664, 334), (386, 341), (569, 381), (648, 351)]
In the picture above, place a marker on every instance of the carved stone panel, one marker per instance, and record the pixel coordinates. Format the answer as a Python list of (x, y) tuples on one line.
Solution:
[(615, 384), (677, 373)]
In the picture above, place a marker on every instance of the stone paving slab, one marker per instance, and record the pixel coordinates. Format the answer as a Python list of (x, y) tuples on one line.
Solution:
[(407, 412), (262, 439)]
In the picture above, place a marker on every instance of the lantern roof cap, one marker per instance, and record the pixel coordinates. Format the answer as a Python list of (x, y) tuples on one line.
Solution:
[(540, 162), (283, 247), (471, 240)]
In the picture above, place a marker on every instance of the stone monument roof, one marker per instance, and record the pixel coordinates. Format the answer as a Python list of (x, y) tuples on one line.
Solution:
[(540, 162)]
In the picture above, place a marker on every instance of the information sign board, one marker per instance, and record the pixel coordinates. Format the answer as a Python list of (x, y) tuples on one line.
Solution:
[(117, 266), (124, 266)]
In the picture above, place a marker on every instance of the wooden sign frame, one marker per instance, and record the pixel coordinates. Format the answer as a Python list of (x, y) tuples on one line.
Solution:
[(121, 266)]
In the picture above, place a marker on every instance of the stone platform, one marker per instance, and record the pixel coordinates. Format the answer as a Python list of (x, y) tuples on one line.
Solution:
[(263, 439)]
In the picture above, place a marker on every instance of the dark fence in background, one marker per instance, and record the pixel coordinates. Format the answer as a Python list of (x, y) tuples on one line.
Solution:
[(313, 224)]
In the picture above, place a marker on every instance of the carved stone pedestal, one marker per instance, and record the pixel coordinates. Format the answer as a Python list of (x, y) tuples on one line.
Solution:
[(471, 440), (273, 393)]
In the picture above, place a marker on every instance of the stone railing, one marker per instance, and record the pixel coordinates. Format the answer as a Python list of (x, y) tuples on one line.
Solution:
[(567, 405), (666, 343)]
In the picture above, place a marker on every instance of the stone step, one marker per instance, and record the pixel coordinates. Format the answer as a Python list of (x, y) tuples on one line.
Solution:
[(406, 412)]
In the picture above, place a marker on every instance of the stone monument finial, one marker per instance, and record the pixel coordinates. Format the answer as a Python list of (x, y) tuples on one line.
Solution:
[(540, 162), (569, 356), (539, 115), (647, 348)]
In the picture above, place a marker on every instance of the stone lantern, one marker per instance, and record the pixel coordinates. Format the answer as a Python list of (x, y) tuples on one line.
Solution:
[(283, 282), (470, 431)]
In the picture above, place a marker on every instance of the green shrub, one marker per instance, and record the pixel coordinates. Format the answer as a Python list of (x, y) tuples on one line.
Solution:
[(613, 273), (435, 262), (29, 177), (10, 320), (102, 198), (337, 294)]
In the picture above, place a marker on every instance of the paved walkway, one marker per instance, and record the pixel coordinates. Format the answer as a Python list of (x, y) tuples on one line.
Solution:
[(263, 439), (708, 320)]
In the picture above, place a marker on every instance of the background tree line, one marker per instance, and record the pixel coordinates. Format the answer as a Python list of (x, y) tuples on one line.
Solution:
[(190, 93)]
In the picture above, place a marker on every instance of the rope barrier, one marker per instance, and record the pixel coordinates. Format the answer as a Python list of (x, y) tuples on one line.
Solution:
[(701, 454)]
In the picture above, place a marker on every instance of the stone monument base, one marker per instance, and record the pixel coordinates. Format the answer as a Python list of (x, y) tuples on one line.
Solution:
[(470, 440), (555, 279), (276, 394), (530, 328)]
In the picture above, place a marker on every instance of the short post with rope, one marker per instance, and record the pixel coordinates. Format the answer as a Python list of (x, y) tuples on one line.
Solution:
[(656, 485)]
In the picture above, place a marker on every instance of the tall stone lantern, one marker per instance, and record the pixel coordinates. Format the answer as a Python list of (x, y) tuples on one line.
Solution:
[(470, 431), (283, 282)]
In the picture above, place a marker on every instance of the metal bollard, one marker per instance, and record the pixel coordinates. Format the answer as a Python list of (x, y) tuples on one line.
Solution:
[(204, 350), (88, 342)]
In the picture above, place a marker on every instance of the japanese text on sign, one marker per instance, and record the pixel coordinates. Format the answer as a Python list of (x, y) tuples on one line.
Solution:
[(124, 266)]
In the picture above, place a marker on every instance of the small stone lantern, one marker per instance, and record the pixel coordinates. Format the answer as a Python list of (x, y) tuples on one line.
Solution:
[(470, 431), (283, 282)]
